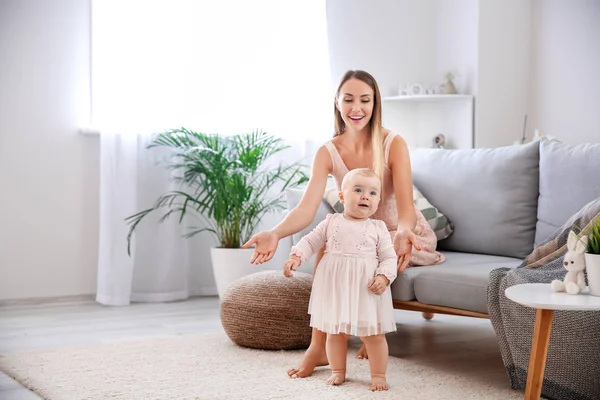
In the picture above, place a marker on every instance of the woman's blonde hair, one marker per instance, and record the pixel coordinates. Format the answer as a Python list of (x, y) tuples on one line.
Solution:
[(375, 125)]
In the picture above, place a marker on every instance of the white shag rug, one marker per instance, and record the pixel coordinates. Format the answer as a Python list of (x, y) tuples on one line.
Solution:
[(210, 366)]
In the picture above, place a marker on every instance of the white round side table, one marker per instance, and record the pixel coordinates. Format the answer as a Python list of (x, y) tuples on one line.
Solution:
[(541, 297)]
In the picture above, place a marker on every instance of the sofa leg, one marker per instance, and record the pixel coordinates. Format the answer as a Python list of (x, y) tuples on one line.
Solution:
[(427, 315)]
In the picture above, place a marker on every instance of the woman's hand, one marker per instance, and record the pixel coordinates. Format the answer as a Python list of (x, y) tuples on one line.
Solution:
[(404, 240), (266, 244)]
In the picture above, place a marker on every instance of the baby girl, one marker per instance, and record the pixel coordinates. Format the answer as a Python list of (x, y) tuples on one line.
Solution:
[(350, 293)]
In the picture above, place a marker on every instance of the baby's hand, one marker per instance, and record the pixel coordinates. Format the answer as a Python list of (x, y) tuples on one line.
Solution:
[(290, 265), (378, 284)]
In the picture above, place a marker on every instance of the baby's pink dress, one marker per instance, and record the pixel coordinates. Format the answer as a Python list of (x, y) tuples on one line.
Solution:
[(355, 252), (388, 212)]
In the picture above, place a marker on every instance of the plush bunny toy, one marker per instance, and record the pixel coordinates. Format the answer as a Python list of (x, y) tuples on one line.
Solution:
[(574, 262)]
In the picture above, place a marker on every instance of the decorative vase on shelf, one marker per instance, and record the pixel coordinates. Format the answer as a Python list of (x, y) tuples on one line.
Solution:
[(448, 87)]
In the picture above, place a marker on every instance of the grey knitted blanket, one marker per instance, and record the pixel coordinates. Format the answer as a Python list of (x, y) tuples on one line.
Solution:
[(573, 363)]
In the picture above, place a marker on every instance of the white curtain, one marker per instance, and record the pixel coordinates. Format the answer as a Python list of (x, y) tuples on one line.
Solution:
[(213, 66)]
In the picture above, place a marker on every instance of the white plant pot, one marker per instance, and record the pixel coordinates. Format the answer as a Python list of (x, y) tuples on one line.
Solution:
[(229, 265), (592, 265)]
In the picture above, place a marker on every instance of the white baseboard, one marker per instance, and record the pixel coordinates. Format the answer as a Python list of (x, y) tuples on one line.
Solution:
[(204, 291), (48, 300), (30, 301)]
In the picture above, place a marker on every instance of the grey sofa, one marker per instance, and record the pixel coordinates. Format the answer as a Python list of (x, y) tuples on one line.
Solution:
[(501, 202)]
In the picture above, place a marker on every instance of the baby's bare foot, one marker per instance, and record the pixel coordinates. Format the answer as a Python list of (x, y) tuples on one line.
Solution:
[(378, 382), (310, 360), (336, 378), (362, 353)]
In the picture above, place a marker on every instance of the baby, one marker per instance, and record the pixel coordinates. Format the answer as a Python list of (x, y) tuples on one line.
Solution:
[(350, 294)]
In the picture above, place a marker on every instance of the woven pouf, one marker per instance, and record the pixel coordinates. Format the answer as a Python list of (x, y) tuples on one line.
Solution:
[(266, 310)]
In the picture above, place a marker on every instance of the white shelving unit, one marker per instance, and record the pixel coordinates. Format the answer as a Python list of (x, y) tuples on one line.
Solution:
[(420, 118)]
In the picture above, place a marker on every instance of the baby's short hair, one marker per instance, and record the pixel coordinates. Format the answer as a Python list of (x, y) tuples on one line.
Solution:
[(366, 172)]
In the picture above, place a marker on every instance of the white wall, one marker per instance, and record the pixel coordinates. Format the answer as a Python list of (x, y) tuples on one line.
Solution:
[(48, 172), (518, 57), (455, 42), (404, 41), (503, 71), (565, 75), (387, 38)]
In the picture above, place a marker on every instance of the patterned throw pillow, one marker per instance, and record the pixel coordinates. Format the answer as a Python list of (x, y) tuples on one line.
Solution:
[(437, 221), (555, 246), (332, 198)]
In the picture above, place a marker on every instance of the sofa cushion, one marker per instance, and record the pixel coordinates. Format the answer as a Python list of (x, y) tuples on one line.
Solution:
[(569, 178), (490, 195), (460, 282)]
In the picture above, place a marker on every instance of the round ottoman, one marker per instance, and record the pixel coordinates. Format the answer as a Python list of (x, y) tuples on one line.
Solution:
[(266, 310)]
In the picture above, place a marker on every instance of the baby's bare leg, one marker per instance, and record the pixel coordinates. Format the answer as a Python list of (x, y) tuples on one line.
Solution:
[(337, 348), (378, 357), (315, 355)]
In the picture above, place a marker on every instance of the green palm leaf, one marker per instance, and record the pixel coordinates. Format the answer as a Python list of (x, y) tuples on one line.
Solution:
[(224, 180)]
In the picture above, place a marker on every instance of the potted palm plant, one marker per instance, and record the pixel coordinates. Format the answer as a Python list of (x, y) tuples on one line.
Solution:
[(227, 181), (592, 259)]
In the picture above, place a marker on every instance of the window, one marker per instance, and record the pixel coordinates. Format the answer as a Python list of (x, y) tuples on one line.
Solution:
[(226, 66)]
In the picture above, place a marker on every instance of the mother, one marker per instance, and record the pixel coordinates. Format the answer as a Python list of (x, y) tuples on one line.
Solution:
[(359, 141)]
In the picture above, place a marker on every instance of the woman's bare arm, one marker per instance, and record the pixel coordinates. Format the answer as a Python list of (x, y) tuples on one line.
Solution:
[(304, 213), (300, 217), (399, 160)]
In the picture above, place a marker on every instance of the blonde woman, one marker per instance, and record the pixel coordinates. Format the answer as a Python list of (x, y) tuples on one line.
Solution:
[(359, 141)]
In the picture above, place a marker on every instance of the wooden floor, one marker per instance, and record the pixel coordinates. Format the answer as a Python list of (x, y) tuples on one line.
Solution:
[(462, 344)]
